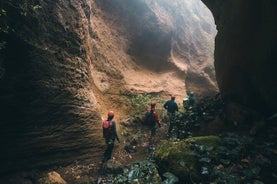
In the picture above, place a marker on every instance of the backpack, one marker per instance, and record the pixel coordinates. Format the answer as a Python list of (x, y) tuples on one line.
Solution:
[(149, 118), (107, 129)]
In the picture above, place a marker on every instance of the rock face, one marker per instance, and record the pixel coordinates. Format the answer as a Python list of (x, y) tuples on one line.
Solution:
[(245, 53), (148, 38), (49, 112), (67, 62), (178, 157)]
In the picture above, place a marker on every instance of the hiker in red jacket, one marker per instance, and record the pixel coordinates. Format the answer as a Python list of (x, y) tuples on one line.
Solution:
[(153, 118), (110, 134)]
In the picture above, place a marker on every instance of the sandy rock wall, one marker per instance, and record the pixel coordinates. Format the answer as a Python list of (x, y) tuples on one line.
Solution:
[(163, 36)]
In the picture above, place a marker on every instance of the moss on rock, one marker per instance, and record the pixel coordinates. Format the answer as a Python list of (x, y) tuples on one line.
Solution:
[(182, 157)]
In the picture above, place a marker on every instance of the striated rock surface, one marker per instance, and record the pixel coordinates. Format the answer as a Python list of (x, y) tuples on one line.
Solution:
[(49, 113)]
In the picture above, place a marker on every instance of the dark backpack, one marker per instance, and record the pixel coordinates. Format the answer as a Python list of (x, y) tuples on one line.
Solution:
[(107, 129), (149, 118)]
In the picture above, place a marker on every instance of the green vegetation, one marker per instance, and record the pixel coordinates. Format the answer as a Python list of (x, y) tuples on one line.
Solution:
[(227, 158), (4, 27), (139, 104), (183, 158), (10, 12)]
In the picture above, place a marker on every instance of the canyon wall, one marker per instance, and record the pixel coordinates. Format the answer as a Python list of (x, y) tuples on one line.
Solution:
[(49, 113), (245, 53), (163, 41), (67, 62)]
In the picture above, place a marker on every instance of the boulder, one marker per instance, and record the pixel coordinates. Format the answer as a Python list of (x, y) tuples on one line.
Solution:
[(52, 178), (182, 157)]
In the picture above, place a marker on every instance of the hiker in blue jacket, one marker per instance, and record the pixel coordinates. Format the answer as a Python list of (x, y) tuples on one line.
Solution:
[(171, 107)]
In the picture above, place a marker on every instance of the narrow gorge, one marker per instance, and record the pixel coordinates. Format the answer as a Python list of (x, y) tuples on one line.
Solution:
[(64, 63)]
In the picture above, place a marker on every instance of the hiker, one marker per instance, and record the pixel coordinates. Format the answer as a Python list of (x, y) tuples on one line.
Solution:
[(152, 119), (110, 134), (189, 102), (171, 107), (191, 99)]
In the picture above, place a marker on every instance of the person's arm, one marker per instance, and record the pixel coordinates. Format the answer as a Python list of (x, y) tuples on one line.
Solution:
[(103, 129), (115, 132), (166, 105)]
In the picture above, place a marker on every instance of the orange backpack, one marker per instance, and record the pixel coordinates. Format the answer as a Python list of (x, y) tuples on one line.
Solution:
[(107, 129)]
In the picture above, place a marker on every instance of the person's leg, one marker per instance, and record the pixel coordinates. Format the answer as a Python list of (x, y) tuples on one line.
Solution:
[(170, 129), (153, 132), (109, 150), (171, 123), (105, 154)]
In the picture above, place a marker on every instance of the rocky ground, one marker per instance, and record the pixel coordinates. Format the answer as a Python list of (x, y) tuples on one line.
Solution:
[(244, 156), (134, 147)]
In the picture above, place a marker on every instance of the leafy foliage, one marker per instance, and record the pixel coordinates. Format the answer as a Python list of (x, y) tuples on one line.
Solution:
[(11, 10), (139, 104)]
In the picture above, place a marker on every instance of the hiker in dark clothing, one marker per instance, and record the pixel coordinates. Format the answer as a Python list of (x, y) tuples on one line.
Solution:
[(171, 107), (155, 120), (110, 134), (190, 101)]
